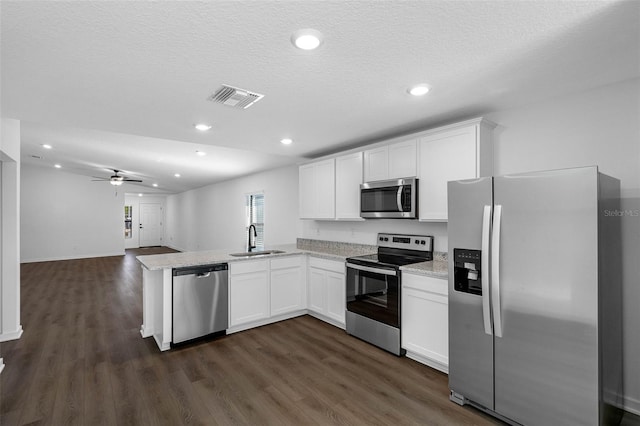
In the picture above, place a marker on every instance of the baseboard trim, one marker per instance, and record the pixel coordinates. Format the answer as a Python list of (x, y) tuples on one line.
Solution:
[(14, 335), (326, 319), (146, 331), (428, 362), (632, 405), (74, 257)]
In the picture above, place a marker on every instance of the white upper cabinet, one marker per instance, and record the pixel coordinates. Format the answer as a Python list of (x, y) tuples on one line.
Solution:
[(376, 164), (402, 159), (393, 161), (461, 151), (317, 190), (348, 180)]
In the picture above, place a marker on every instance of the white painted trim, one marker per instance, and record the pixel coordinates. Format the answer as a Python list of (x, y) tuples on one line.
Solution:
[(428, 362), (271, 320), (1, 365), (14, 335), (632, 405), (146, 331), (327, 319), (175, 247), (163, 346), (80, 256)]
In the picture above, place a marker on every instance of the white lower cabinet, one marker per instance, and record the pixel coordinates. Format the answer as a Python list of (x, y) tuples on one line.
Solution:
[(248, 291), (327, 294), (288, 289), (266, 290), (425, 320)]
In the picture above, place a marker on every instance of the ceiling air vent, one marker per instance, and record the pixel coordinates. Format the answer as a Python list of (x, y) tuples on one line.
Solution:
[(235, 97)]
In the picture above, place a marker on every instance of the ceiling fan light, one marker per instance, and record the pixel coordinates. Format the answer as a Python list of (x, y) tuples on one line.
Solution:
[(116, 182)]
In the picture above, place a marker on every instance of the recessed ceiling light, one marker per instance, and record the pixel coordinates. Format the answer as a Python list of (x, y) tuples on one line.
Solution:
[(419, 90), (201, 153), (307, 39), (139, 195), (286, 141), (46, 146), (155, 185), (177, 175), (57, 166), (202, 127)]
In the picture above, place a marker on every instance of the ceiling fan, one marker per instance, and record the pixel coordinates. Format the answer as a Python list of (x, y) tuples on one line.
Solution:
[(116, 179)]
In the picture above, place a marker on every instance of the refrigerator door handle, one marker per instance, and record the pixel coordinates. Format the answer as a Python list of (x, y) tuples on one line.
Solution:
[(495, 271), (486, 308)]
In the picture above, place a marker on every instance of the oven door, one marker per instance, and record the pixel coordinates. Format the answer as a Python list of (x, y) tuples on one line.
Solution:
[(373, 292)]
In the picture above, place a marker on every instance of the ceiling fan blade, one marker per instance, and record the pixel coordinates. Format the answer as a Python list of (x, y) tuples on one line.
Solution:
[(132, 180)]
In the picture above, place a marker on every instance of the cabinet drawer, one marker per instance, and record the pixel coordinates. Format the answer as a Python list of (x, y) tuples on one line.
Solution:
[(286, 262), (422, 283), (244, 267), (327, 265)]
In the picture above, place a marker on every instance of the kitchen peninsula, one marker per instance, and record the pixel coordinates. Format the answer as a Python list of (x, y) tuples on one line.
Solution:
[(293, 280)]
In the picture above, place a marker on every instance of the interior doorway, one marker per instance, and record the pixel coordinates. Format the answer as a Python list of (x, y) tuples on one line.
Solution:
[(143, 221), (151, 224)]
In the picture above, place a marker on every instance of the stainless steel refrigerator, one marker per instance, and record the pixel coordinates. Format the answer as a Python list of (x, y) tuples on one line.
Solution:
[(535, 297)]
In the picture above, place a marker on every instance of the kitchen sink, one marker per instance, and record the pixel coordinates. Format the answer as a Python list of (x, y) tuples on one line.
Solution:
[(256, 253)]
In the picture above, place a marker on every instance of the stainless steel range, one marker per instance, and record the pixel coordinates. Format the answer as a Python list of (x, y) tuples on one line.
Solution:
[(373, 288)]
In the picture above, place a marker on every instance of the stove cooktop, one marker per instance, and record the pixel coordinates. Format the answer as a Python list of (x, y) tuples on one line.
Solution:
[(389, 259)]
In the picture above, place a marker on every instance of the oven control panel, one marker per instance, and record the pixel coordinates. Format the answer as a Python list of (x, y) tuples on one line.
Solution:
[(409, 242)]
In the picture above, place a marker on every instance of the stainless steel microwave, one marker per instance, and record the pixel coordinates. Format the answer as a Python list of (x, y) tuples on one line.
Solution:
[(397, 198)]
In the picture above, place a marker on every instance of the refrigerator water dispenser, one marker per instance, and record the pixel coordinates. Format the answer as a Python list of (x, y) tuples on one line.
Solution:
[(467, 271)]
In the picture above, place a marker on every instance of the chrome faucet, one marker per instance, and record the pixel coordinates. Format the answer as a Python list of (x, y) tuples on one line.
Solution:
[(255, 235)]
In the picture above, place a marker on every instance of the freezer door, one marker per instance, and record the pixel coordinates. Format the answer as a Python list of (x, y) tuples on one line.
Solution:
[(470, 346), (546, 362)]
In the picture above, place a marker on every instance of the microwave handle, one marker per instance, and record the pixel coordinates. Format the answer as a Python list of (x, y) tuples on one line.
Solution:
[(399, 198)]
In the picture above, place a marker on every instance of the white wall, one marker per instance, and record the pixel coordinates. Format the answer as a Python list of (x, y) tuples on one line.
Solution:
[(214, 217), (10, 327), (67, 216)]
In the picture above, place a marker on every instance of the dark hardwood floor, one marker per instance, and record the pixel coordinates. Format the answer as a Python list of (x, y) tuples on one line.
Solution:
[(82, 361)]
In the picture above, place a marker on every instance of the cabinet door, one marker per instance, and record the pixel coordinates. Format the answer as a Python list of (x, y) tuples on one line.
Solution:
[(402, 160), (450, 155), (348, 180), (336, 296), (306, 190), (425, 318), (376, 164), (287, 293), (248, 297), (317, 291), (325, 189)]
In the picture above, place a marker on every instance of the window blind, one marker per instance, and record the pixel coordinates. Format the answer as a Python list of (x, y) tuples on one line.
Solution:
[(255, 203)]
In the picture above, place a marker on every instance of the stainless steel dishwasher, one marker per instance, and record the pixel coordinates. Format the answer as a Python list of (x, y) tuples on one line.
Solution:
[(200, 301)]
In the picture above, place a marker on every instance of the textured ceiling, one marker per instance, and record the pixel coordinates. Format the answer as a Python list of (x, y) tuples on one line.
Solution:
[(133, 71)]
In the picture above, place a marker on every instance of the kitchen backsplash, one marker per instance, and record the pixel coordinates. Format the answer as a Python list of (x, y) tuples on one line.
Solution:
[(356, 249)]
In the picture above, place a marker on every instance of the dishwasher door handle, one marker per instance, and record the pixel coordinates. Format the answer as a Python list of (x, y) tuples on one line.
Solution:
[(203, 274)]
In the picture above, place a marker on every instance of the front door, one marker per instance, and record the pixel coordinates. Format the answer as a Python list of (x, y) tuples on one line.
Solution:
[(150, 224)]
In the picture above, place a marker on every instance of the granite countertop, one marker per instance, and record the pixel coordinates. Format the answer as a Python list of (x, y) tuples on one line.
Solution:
[(331, 251), (433, 268)]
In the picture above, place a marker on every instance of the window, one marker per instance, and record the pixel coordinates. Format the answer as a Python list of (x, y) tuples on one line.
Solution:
[(255, 217)]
